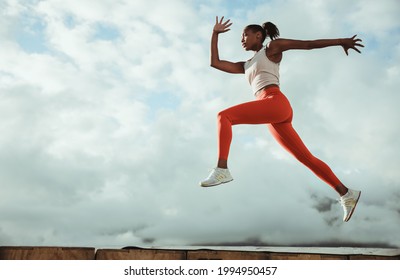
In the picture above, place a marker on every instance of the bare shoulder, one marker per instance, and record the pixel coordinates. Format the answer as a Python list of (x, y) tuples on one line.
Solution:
[(278, 46), (273, 51)]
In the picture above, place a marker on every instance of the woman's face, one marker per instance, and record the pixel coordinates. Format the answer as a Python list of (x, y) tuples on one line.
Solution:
[(250, 39)]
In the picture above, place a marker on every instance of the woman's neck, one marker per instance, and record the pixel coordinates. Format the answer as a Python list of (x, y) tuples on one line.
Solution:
[(258, 48)]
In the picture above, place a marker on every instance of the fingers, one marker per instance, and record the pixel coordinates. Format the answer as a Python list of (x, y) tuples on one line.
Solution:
[(355, 41), (357, 50), (358, 44), (354, 45), (346, 50), (221, 26), (221, 21), (227, 25)]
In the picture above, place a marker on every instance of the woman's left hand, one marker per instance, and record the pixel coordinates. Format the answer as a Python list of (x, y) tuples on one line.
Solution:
[(351, 43)]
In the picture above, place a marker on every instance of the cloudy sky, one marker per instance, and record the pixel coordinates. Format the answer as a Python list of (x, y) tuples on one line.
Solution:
[(108, 123)]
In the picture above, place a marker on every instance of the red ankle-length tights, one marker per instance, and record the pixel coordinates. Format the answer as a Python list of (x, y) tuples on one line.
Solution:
[(272, 108)]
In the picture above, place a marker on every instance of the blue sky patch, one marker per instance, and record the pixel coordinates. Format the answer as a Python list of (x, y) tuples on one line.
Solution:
[(69, 21), (106, 32), (162, 100), (30, 34)]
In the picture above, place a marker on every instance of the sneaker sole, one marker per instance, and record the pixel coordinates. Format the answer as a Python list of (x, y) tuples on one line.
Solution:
[(354, 208), (208, 186)]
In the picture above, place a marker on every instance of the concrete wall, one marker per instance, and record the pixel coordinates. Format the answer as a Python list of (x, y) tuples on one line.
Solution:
[(66, 253)]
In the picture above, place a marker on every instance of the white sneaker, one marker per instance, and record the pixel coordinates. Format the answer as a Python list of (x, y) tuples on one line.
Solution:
[(349, 203), (217, 176)]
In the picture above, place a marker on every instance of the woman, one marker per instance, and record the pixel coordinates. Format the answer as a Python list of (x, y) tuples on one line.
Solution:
[(271, 107)]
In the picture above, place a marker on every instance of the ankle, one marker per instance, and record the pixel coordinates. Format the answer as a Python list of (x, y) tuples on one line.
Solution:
[(343, 191), (222, 163)]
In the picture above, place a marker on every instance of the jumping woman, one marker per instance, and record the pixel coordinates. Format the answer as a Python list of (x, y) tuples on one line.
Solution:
[(271, 106)]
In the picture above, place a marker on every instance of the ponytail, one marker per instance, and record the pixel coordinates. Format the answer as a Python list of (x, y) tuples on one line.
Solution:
[(271, 30), (268, 29)]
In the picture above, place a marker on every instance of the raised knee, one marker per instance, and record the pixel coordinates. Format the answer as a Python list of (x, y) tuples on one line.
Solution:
[(222, 116)]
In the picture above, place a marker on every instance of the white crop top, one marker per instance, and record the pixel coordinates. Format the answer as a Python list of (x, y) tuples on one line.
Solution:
[(260, 71)]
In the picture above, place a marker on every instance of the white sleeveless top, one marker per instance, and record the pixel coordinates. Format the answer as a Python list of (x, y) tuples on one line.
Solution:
[(260, 71)]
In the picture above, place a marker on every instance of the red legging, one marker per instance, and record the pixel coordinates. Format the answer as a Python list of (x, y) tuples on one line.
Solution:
[(272, 108)]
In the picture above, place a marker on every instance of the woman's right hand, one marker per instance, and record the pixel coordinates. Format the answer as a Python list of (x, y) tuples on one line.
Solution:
[(220, 26)]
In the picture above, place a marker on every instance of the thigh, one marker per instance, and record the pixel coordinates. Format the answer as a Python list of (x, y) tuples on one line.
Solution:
[(268, 110)]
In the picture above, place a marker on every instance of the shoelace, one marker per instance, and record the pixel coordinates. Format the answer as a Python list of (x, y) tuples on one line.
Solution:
[(347, 202), (216, 175), (219, 175)]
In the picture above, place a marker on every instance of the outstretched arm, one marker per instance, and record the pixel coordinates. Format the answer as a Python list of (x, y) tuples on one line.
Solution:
[(281, 45), (223, 65)]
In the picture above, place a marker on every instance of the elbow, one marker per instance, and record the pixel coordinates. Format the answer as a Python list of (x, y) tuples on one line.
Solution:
[(214, 64)]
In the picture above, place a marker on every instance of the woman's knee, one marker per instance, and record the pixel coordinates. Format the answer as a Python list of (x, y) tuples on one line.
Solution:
[(308, 160), (223, 116)]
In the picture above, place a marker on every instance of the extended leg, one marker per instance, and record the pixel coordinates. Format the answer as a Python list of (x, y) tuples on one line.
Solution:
[(285, 134)]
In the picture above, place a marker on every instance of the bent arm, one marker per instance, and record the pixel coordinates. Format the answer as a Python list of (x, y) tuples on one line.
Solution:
[(223, 65)]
